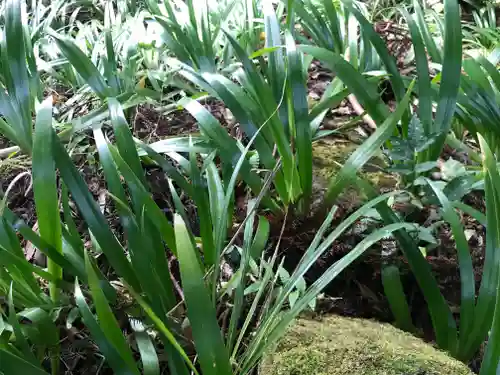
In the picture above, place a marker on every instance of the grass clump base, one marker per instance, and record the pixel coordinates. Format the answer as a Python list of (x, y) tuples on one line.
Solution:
[(344, 346)]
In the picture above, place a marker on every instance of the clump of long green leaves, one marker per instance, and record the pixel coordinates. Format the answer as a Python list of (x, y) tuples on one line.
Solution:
[(471, 332), (332, 26), (19, 79), (475, 316), (273, 92), (142, 264), (192, 30), (478, 102), (145, 270), (482, 35), (266, 91)]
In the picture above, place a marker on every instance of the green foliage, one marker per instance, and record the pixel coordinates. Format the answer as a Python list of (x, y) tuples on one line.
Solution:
[(254, 58), (492, 178), (405, 151)]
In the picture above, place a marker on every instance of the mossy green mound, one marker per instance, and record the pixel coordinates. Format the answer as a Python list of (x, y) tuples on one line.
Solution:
[(345, 346), (329, 155)]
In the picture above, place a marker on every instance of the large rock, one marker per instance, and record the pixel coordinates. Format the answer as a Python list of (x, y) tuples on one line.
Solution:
[(346, 346)]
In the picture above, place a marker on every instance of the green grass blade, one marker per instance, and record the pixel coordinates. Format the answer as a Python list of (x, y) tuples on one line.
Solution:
[(21, 270), (476, 74), (45, 188), (124, 139), (92, 215), (144, 201), (167, 167), (212, 353), (300, 117), (312, 26), (432, 48), (202, 203), (83, 65), (243, 269), (352, 39), (29, 235), (488, 305), (381, 48), (260, 239), (111, 174), (21, 340), (467, 281), (16, 57), (12, 364), (393, 289), (111, 62), (71, 235), (364, 91), (107, 320), (227, 146), (424, 81), (273, 39), (491, 70), (145, 345), (216, 196), (169, 338), (450, 76), (326, 103), (333, 20), (112, 356)]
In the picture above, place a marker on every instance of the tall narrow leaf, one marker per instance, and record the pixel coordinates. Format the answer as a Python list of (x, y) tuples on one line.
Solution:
[(45, 187), (107, 320), (450, 76), (212, 353)]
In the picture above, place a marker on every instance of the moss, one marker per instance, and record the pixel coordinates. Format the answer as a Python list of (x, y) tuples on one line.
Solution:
[(328, 157), (330, 154), (345, 346)]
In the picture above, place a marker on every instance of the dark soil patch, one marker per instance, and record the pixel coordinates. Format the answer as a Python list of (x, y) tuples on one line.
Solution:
[(20, 195), (150, 126)]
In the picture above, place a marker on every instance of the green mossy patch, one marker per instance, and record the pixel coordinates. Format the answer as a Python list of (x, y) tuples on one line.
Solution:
[(345, 346), (330, 154)]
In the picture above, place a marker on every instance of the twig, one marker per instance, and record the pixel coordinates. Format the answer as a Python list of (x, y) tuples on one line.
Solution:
[(357, 107), (6, 152), (361, 112), (174, 281)]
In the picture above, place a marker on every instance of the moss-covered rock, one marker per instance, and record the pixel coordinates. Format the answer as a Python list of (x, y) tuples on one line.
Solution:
[(329, 155), (345, 346)]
